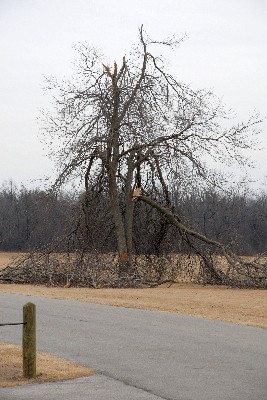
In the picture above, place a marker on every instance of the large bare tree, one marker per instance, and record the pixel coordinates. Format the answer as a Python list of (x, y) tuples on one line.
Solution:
[(132, 128)]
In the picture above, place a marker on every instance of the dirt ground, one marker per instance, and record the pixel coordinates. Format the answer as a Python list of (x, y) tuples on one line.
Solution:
[(243, 306)]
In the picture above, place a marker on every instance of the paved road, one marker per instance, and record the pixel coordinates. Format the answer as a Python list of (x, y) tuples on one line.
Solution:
[(141, 354)]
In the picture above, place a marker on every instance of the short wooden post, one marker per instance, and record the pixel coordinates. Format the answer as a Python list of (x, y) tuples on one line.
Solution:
[(29, 340)]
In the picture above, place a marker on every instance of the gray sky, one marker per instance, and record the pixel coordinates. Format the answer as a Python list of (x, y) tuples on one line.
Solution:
[(225, 49)]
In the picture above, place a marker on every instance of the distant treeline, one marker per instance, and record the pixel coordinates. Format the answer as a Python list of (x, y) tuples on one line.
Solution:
[(36, 219)]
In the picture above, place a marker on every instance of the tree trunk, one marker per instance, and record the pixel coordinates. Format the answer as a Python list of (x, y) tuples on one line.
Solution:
[(129, 206), (112, 162), (118, 219)]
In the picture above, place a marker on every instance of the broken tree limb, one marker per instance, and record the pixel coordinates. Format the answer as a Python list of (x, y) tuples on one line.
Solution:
[(250, 271)]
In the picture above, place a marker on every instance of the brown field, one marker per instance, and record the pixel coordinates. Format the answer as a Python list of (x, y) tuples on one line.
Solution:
[(244, 306), (7, 257)]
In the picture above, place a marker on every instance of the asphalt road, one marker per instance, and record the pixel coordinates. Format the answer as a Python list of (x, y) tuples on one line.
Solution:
[(140, 354)]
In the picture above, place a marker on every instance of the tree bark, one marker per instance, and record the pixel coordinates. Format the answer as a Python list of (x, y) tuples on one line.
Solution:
[(112, 166), (129, 206), (117, 218)]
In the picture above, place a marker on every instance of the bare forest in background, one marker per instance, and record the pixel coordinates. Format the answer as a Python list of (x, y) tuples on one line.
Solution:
[(36, 219)]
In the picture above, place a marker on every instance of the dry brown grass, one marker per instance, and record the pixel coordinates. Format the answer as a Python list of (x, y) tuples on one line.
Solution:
[(49, 368), (7, 257), (244, 306), (102, 270)]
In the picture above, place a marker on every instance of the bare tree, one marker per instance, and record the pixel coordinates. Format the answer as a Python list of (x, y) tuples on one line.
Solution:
[(132, 128)]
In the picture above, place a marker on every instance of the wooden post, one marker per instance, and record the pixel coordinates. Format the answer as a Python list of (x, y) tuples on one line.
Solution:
[(29, 340)]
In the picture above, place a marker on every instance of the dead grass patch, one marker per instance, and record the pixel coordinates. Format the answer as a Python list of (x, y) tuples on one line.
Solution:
[(49, 368), (7, 257), (244, 306)]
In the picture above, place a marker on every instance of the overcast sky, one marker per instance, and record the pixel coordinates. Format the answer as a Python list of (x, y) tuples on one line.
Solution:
[(225, 49)]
